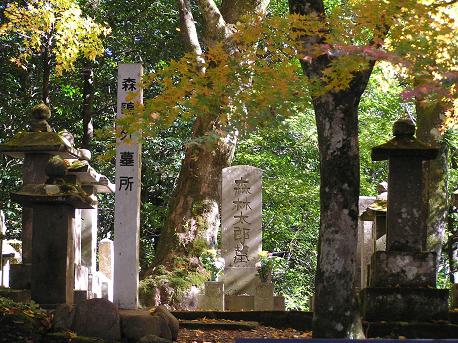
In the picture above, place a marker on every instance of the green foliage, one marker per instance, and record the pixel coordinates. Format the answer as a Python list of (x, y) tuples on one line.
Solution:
[(212, 262), (22, 322), (57, 26), (174, 282)]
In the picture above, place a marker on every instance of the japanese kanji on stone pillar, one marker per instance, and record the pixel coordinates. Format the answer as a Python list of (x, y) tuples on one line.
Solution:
[(127, 198)]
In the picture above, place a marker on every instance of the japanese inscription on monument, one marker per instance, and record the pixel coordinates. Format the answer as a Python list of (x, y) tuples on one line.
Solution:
[(127, 197), (241, 225)]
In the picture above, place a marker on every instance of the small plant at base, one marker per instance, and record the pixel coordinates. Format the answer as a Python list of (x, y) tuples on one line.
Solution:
[(213, 263), (265, 265)]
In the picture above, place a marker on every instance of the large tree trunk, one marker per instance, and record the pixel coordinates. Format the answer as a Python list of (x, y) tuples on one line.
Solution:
[(336, 314), (194, 208), (429, 113), (335, 309)]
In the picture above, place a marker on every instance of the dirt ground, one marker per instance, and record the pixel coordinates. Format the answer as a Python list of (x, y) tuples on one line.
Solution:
[(229, 336)]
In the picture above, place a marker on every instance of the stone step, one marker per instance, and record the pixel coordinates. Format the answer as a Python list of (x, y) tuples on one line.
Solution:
[(398, 330), (218, 325), (404, 304), (18, 295), (298, 320)]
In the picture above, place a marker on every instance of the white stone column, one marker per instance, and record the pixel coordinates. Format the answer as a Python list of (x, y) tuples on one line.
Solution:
[(241, 212), (127, 195), (89, 239)]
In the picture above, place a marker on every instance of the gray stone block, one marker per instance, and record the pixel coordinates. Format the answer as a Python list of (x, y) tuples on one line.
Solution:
[(403, 269), (279, 303), (97, 318), (172, 322), (18, 295), (404, 304), (79, 296), (239, 302), (137, 324), (264, 296), (20, 276), (454, 296)]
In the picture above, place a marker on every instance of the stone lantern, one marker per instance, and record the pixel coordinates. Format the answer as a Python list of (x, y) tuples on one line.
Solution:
[(403, 278)]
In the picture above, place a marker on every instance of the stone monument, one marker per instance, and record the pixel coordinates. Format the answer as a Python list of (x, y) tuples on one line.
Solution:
[(241, 212)]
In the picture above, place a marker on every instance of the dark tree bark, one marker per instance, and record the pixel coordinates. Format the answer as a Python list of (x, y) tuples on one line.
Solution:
[(86, 108), (336, 313), (435, 195)]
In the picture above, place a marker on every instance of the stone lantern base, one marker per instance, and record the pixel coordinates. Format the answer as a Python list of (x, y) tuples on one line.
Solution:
[(404, 304)]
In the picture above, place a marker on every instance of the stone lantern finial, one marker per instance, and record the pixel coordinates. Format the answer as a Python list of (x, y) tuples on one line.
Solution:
[(404, 127), (40, 115)]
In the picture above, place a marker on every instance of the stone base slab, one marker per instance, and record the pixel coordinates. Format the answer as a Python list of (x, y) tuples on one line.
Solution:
[(238, 280), (239, 302), (20, 276), (279, 303), (403, 269), (79, 296), (404, 304), (17, 295), (264, 296), (454, 296)]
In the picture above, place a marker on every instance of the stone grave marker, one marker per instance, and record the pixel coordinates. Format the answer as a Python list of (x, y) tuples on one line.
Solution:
[(241, 227), (127, 196)]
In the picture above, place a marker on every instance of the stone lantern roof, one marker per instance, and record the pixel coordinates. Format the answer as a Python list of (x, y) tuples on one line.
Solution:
[(60, 188), (404, 144), (40, 140)]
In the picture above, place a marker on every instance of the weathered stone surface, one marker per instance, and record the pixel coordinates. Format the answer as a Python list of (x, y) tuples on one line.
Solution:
[(106, 257), (241, 226), (20, 275), (365, 236), (172, 322), (89, 239), (53, 267), (18, 295), (239, 280), (80, 295), (97, 318), (63, 317), (364, 246), (279, 303), (454, 296), (137, 324), (213, 299), (403, 269), (33, 171), (239, 302), (392, 304), (264, 296), (405, 222), (81, 277)]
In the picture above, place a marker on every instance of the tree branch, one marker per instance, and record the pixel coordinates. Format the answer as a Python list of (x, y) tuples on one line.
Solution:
[(188, 29), (215, 25), (233, 10)]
